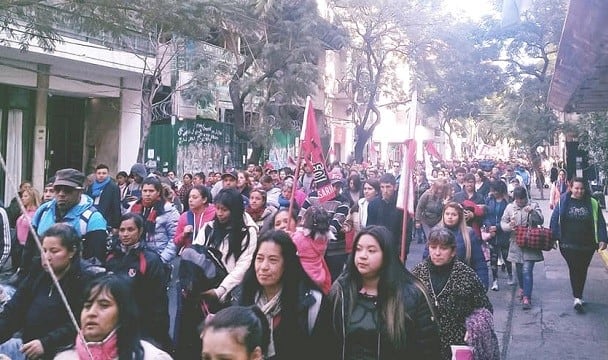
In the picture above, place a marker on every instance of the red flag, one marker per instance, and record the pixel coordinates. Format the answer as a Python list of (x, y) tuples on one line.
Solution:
[(432, 150), (312, 152)]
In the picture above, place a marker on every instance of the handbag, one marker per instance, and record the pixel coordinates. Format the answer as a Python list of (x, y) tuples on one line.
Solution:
[(534, 237), (200, 269)]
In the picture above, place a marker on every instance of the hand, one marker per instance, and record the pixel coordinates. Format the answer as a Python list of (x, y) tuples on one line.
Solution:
[(33, 349), (418, 225), (131, 198), (188, 229), (209, 295), (493, 228), (602, 245), (527, 209), (512, 223)]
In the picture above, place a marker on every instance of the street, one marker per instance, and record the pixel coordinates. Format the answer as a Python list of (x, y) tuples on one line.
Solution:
[(552, 329)]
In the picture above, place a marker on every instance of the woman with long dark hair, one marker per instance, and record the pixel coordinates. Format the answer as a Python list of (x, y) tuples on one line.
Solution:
[(277, 284), (578, 223), (200, 211), (234, 234), (36, 311), (109, 324), (378, 309)]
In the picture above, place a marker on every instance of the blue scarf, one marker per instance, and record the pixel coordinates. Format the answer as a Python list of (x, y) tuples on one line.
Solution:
[(98, 187)]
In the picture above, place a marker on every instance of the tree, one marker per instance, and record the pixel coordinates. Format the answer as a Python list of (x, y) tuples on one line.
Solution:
[(384, 35), (275, 48), (528, 54), (593, 137), (456, 74)]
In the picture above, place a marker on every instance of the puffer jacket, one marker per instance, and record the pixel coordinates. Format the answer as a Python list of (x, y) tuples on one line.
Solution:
[(422, 334), (161, 241)]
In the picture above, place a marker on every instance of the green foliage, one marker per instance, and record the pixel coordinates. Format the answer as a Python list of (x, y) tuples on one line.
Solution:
[(593, 137)]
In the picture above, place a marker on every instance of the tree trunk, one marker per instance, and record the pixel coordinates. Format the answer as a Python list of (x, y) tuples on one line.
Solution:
[(146, 123), (362, 138), (256, 155)]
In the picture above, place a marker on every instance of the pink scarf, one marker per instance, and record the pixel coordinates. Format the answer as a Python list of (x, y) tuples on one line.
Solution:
[(102, 350)]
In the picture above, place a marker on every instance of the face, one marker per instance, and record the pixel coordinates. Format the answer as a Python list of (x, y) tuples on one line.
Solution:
[(99, 316), (121, 180), (284, 222), (441, 254), (128, 232), (450, 216), (241, 181), (149, 194), (477, 178), (222, 213), (282, 175), (561, 175), (57, 255), (187, 180), (197, 180), (275, 176), (459, 177), (578, 190), (269, 265), (469, 185), (286, 192), (368, 256), (221, 344), (66, 197), (256, 200), (26, 198), (218, 177), (250, 168), (171, 175), (257, 174), (229, 182), (387, 191), (48, 193), (267, 186), (101, 174), (369, 192), (521, 202), (196, 200)]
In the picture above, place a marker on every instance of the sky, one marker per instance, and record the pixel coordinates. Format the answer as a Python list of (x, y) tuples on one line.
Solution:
[(474, 9)]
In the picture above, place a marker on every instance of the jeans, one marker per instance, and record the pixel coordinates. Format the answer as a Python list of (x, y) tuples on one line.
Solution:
[(525, 277), (11, 349), (578, 263)]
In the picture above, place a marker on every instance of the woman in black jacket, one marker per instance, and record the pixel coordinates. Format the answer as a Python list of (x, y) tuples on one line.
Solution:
[(147, 275), (36, 309), (278, 285), (378, 309)]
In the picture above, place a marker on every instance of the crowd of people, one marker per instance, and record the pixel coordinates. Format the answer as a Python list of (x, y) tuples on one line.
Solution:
[(265, 269)]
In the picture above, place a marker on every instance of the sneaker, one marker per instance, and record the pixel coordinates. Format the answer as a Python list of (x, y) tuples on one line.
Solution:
[(511, 281), (578, 305), (526, 304), (494, 285)]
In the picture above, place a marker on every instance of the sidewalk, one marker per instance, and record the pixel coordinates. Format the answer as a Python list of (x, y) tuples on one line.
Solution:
[(552, 329)]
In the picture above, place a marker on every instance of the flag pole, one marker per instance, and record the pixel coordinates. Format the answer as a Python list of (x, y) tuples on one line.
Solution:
[(404, 182), (299, 160)]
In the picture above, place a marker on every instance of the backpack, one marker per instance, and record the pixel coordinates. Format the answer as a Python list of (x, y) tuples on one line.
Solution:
[(83, 221), (200, 269)]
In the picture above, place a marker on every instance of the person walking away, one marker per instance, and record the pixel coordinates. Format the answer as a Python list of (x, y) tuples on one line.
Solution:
[(579, 225)]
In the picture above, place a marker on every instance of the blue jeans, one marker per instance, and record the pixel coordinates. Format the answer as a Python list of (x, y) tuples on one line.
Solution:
[(11, 348), (525, 277)]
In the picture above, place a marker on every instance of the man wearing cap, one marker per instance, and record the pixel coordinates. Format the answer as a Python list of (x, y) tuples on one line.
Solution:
[(72, 207), (138, 173)]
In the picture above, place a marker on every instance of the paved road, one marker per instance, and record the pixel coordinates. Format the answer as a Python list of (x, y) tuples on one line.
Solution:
[(552, 329)]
